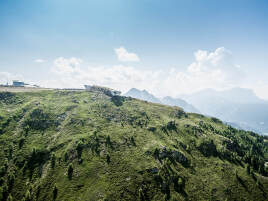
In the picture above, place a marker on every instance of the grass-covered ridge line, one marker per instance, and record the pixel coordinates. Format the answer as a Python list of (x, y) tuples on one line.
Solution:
[(66, 145)]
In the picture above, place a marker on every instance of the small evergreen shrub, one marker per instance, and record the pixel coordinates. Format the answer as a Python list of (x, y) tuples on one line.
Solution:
[(248, 169), (55, 192), (70, 171), (27, 196), (79, 149), (108, 158), (53, 161), (9, 198), (208, 148)]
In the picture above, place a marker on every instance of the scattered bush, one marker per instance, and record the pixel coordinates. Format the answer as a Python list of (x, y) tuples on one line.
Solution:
[(4, 192), (253, 175), (27, 196), (170, 126), (9, 198), (179, 157), (141, 194), (118, 100), (180, 113), (21, 142), (166, 190), (8, 97), (108, 158), (248, 169), (2, 171), (215, 120), (179, 184), (53, 160), (156, 153), (152, 129), (66, 157), (40, 120), (208, 148), (37, 158), (55, 192), (108, 141), (132, 140), (70, 171), (79, 149), (1, 193), (258, 183), (11, 180)]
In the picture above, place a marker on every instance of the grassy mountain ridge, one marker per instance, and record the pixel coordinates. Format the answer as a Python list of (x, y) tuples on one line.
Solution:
[(70, 145)]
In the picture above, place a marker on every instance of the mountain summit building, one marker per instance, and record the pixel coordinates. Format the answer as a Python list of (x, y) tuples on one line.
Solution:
[(17, 83)]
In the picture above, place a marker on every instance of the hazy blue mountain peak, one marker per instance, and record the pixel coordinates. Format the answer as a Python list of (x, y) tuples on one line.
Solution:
[(168, 100), (142, 94)]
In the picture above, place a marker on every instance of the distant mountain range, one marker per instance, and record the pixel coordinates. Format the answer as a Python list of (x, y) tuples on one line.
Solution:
[(180, 103), (145, 95), (238, 107)]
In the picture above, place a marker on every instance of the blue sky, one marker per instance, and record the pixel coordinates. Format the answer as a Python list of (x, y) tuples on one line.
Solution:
[(164, 35)]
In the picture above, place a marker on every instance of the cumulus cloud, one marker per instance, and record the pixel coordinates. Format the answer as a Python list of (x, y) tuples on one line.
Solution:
[(63, 65), (218, 64), (124, 55), (208, 70), (39, 61), (71, 73)]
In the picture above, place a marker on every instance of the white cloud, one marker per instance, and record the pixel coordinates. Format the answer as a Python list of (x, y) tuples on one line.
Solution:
[(215, 69), (209, 70), (218, 64), (62, 65), (124, 55), (39, 61)]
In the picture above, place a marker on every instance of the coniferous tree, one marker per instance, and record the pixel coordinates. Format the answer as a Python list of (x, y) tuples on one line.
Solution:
[(1, 193), (79, 149), (141, 195), (21, 142), (132, 140), (11, 179), (53, 160), (9, 198), (27, 196), (156, 153), (55, 192), (248, 169), (4, 192), (65, 156), (108, 140), (108, 158), (70, 170), (33, 152)]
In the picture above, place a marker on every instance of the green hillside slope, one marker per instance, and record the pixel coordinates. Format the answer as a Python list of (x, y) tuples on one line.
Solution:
[(70, 145)]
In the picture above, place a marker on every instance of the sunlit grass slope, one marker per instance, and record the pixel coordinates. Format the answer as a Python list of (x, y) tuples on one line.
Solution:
[(78, 145)]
